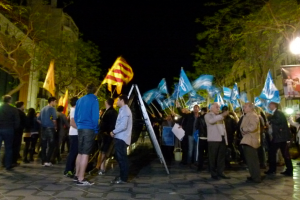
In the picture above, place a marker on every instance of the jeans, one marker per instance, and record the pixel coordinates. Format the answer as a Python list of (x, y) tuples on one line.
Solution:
[(17, 141), (70, 165), (192, 149), (121, 156), (47, 138), (7, 135)]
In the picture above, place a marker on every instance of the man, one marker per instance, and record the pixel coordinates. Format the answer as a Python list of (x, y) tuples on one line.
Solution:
[(107, 124), (122, 138), (9, 120), (281, 138), (217, 141), (192, 120), (289, 83), (250, 130), (230, 125), (62, 125), (18, 133), (86, 118), (47, 119), (73, 134), (202, 146)]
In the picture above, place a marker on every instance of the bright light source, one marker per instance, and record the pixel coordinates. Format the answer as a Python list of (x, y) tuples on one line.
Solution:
[(295, 46), (175, 117), (289, 111)]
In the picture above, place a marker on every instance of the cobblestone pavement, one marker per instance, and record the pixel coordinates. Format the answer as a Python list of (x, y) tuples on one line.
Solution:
[(34, 182)]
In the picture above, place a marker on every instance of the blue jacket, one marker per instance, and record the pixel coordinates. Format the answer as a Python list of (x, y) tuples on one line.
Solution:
[(87, 113)]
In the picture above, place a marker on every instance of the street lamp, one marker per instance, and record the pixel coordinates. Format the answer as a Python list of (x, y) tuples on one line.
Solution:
[(295, 46)]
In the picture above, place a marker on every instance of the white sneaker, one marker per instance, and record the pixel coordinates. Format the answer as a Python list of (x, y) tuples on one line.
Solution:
[(84, 182), (49, 164)]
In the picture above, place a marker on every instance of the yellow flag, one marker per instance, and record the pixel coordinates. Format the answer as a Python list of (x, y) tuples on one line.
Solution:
[(60, 102), (49, 83), (65, 102)]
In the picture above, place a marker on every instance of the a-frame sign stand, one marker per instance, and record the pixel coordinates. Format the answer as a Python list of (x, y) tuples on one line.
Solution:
[(135, 91)]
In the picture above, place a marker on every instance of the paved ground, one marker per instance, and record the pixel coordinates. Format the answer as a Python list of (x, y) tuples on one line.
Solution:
[(148, 181)]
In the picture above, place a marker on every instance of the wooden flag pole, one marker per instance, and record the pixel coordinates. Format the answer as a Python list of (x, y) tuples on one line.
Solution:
[(96, 93)]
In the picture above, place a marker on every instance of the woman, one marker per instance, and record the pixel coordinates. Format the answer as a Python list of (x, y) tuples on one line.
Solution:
[(31, 135)]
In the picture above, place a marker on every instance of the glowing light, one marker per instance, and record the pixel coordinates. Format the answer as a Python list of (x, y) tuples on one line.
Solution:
[(295, 46), (289, 111)]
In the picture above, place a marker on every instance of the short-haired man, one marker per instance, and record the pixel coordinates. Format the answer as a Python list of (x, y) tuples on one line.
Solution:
[(217, 141), (122, 138), (47, 119), (107, 124), (18, 133), (281, 137), (9, 120), (251, 141), (86, 118), (73, 136)]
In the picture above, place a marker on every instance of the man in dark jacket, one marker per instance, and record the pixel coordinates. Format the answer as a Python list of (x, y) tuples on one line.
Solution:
[(281, 138), (202, 146), (107, 124), (18, 133), (9, 121)]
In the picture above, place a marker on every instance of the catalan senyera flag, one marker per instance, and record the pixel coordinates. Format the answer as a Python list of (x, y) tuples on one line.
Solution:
[(118, 74), (65, 102), (60, 102), (49, 83)]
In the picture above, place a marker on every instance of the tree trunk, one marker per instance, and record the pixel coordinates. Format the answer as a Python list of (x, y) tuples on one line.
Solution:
[(16, 89)]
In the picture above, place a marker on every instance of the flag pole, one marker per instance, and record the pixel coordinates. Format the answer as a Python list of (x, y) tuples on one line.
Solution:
[(154, 107), (112, 93), (96, 93)]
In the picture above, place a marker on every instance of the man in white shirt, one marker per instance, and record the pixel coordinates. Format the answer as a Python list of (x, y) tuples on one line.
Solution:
[(289, 83)]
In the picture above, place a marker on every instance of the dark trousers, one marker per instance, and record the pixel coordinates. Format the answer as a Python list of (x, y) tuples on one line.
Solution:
[(17, 144), (202, 148), (121, 156), (7, 135), (185, 149), (252, 161), (30, 143), (216, 157), (65, 140), (261, 155), (70, 165), (285, 153), (47, 138)]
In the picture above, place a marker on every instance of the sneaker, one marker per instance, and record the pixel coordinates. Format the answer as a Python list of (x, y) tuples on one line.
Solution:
[(119, 181), (93, 171), (84, 182), (101, 172), (117, 178), (49, 164), (75, 178), (69, 174)]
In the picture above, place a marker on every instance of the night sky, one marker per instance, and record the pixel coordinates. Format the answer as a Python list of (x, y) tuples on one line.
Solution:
[(156, 38)]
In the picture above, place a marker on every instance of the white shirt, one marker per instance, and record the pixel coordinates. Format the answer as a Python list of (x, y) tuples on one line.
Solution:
[(73, 131), (289, 81)]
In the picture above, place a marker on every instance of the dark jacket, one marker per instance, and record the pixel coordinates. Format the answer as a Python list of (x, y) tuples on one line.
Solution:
[(202, 126), (9, 117), (32, 125), (189, 122), (108, 120), (280, 129), (23, 120), (230, 125)]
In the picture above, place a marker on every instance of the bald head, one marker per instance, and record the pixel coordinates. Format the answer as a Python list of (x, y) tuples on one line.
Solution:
[(248, 107), (215, 108)]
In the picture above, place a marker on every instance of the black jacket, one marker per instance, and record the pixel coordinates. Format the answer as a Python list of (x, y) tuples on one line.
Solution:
[(280, 129), (108, 120), (189, 122), (9, 117), (231, 126), (202, 126)]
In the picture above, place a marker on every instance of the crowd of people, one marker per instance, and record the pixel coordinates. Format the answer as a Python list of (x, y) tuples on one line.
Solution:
[(252, 139), (81, 129)]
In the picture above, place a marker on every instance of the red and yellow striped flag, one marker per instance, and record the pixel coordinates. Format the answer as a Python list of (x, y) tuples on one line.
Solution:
[(65, 102), (49, 83), (118, 74)]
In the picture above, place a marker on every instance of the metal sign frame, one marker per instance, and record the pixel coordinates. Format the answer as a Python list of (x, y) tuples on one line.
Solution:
[(148, 125)]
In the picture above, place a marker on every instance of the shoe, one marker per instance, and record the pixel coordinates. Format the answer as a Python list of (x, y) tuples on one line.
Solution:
[(26, 161), (215, 177), (199, 169), (269, 172), (117, 178), (49, 164), (93, 171), (252, 181), (286, 173), (84, 182), (75, 178), (120, 182), (101, 172), (69, 174), (9, 168), (249, 179), (222, 176)]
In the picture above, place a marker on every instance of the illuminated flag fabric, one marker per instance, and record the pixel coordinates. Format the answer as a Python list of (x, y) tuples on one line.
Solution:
[(175, 94), (235, 104), (243, 97), (184, 84), (257, 102), (49, 83), (270, 92), (227, 93), (265, 105), (162, 105), (195, 98), (118, 74), (150, 95), (60, 102), (219, 100), (162, 87), (212, 91), (203, 82), (169, 102), (65, 102), (234, 93)]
